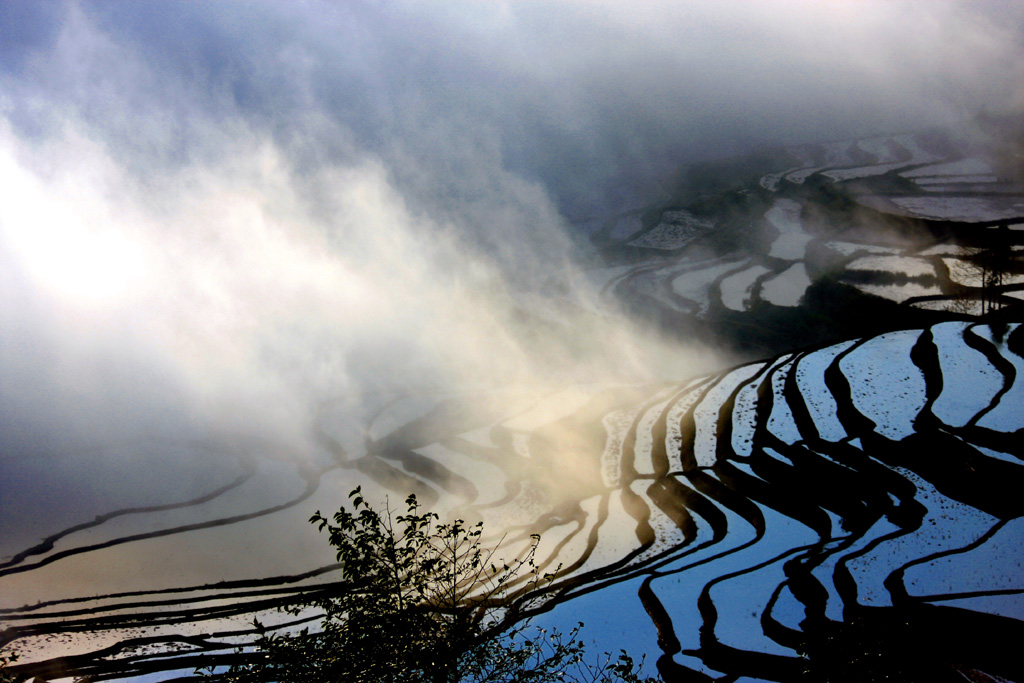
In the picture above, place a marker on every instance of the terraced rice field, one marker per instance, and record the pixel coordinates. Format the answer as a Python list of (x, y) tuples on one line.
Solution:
[(844, 498)]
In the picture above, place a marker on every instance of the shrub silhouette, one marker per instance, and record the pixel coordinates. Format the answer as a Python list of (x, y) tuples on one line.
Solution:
[(425, 601)]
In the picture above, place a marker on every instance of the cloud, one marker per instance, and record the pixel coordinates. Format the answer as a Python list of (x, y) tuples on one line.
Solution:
[(214, 300), (224, 213), (221, 221), (593, 103)]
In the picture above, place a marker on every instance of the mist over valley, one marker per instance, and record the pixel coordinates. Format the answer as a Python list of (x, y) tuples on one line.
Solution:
[(723, 302)]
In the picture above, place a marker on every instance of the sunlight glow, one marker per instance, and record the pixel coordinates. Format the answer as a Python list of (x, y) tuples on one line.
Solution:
[(62, 243)]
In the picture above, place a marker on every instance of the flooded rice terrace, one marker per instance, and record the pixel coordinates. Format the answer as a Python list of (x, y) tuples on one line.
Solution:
[(845, 498)]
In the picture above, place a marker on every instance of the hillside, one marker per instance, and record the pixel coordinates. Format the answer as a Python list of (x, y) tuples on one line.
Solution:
[(845, 498)]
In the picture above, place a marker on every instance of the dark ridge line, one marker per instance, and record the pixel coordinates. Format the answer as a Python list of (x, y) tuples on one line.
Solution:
[(591, 437), (592, 539), (966, 595), (470, 449), (898, 586), (842, 577), (677, 553), (205, 642), (326, 440), (244, 583), (446, 416), (724, 422), (706, 487), (636, 508), (667, 639), (1010, 443), (627, 451), (656, 567), (924, 354), (312, 483), (123, 607), (657, 572), (673, 672), (551, 520), (524, 532), (677, 301), (152, 619), (895, 147), (774, 496), (812, 348), (625, 281), (674, 508), (143, 665), (502, 438), (527, 593), (659, 433), (688, 426), (1005, 368), (961, 472), (794, 401), (627, 460), (46, 544), (526, 529), (87, 668), (625, 571), (394, 479), (824, 483), (766, 400), (369, 444), (784, 487), (620, 570), (691, 500), (774, 629), (719, 490), (431, 470), (895, 484), (249, 630), (711, 649), (172, 657), (960, 292), (1015, 339), (492, 456), (137, 621), (611, 288), (869, 496), (806, 588), (854, 422)]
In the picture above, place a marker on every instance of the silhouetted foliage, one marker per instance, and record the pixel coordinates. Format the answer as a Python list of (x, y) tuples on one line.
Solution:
[(6, 659), (424, 601)]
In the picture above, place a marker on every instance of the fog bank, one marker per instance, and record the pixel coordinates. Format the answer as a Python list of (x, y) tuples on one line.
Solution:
[(218, 216)]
